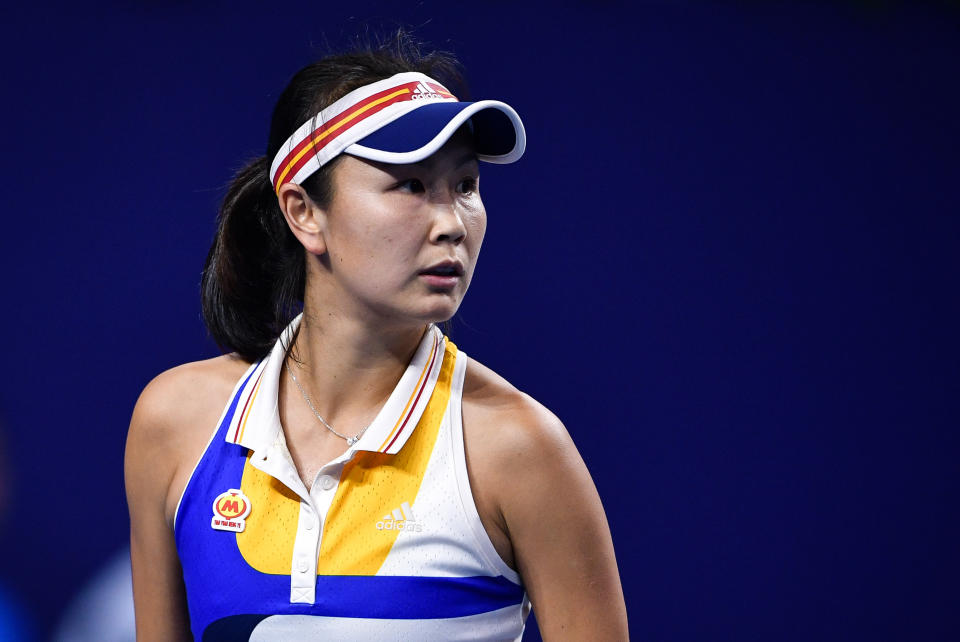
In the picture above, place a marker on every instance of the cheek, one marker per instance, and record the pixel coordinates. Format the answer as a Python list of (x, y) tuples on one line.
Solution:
[(476, 227), (368, 230), (388, 249)]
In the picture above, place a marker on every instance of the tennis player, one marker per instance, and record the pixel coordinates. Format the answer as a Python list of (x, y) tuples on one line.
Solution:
[(345, 471)]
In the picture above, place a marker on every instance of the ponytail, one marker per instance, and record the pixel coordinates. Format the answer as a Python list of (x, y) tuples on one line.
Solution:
[(253, 279)]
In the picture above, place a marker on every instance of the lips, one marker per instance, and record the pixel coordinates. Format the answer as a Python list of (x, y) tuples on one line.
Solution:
[(444, 268), (443, 276)]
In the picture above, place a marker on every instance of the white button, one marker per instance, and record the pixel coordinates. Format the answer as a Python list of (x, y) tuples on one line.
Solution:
[(310, 524), (302, 566), (327, 482)]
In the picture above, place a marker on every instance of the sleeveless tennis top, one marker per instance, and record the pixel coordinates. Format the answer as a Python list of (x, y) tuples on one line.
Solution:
[(386, 545)]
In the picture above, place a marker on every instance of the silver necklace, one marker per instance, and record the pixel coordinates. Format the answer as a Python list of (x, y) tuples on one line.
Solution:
[(350, 440)]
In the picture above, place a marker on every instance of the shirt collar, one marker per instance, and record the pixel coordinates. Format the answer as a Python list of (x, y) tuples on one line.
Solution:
[(256, 421), (395, 422)]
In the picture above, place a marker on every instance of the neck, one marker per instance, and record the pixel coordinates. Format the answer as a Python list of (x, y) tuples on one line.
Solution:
[(350, 367)]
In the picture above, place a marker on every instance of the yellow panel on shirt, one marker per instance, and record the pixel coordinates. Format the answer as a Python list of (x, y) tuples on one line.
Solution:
[(371, 485)]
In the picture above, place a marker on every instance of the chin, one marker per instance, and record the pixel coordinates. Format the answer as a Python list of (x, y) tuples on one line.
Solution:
[(441, 313), (440, 318)]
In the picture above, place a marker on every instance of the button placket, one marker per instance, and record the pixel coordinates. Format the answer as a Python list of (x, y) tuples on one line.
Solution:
[(303, 574), (306, 548)]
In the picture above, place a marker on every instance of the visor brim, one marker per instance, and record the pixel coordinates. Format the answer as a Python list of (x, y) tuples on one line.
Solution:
[(498, 133)]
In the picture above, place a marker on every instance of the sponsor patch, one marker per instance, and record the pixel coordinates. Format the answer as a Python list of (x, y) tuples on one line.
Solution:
[(230, 511)]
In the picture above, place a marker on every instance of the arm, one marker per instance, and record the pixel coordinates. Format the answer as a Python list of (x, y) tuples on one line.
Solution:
[(541, 510), (149, 467), (559, 534)]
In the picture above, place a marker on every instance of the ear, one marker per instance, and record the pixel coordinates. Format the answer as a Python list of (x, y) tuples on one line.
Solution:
[(306, 219)]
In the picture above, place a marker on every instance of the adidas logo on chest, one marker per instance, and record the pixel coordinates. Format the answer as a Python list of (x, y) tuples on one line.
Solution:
[(401, 519)]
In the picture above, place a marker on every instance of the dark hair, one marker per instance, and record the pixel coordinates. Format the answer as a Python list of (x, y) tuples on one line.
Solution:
[(254, 277)]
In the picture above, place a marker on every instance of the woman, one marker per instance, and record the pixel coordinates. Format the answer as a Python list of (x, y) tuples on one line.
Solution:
[(364, 480)]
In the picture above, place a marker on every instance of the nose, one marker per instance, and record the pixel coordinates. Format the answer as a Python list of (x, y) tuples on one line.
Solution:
[(448, 226)]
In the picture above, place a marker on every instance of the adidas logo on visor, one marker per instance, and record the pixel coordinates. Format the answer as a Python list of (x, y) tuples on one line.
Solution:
[(401, 519), (422, 92)]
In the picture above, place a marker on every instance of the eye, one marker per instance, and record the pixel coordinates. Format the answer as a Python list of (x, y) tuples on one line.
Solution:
[(467, 185), (412, 185)]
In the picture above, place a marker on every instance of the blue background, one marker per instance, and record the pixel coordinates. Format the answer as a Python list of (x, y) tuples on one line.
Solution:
[(728, 261)]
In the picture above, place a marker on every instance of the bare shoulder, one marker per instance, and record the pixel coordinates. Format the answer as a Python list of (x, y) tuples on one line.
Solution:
[(174, 418), (517, 415), (188, 388), (175, 403), (506, 422)]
